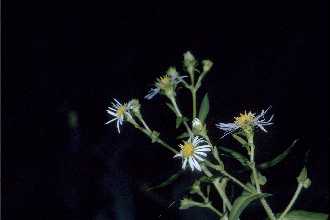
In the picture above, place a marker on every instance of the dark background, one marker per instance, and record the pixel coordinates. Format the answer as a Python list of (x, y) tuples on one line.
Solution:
[(63, 58)]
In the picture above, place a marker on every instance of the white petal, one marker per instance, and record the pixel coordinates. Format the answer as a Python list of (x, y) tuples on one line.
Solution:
[(112, 113), (112, 109), (203, 150), (111, 121), (184, 164), (196, 164), (198, 157), (200, 153), (191, 164), (117, 101), (118, 123), (203, 146), (177, 155)]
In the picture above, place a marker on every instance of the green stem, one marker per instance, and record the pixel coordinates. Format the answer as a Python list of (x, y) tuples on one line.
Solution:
[(179, 114), (222, 194), (232, 178), (292, 201), (144, 124), (193, 95), (158, 140), (211, 207), (263, 201)]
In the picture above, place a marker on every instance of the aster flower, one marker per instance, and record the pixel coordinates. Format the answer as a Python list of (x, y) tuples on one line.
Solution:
[(119, 112), (193, 151), (165, 84), (245, 120)]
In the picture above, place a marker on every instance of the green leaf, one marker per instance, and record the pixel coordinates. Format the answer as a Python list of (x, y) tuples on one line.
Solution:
[(179, 121), (242, 202), (238, 156), (278, 158), (183, 135), (204, 108), (166, 182), (305, 215), (239, 139)]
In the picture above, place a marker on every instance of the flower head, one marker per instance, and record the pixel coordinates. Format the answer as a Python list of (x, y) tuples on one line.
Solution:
[(246, 120), (166, 84), (120, 112), (193, 151)]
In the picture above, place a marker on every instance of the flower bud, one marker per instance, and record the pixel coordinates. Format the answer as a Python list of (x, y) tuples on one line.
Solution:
[(135, 107), (207, 65), (171, 71), (189, 62), (197, 124)]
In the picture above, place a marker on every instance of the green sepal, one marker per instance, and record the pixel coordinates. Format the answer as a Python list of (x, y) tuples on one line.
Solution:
[(303, 178), (154, 136)]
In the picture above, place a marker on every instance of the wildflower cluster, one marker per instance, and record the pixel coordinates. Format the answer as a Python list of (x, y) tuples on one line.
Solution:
[(196, 149)]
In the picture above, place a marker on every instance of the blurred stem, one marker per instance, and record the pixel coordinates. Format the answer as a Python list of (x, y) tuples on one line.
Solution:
[(292, 201)]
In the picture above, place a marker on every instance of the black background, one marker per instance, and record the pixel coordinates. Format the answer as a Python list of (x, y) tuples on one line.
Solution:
[(65, 56)]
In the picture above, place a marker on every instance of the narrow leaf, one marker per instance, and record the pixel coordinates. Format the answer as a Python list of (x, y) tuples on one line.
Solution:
[(238, 156), (171, 107), (166, 182), (243, 142), (242, 202), (178, 122), (278, 158), (183, 135), (204, 108), (305, 215)]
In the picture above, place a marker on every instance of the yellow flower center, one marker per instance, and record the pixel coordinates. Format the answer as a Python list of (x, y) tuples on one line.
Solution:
[(187, 149), (164, 81), (121, 111), (244, 119)]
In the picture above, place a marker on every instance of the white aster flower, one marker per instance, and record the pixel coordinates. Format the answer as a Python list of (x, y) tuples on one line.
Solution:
[(165, 84), (246, 119), (193, 151), (119, 112)]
